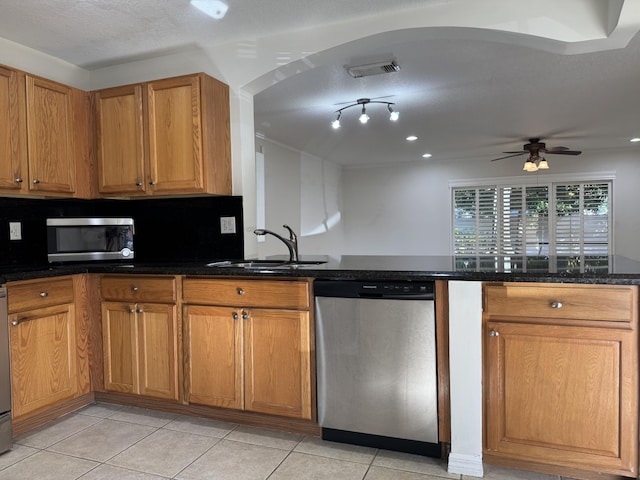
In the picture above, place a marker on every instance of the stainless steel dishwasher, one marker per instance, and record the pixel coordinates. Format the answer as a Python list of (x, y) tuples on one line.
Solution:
[(5, 377), (376, 359)]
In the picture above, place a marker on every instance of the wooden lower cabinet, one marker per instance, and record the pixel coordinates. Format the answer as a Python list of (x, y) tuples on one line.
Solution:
[(249, 358), (561, 391), (140, 349), (140, 339), (49, 363), (43, 358)]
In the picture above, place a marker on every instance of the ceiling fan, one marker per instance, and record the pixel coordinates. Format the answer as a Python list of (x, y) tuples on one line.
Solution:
[(537, 150)]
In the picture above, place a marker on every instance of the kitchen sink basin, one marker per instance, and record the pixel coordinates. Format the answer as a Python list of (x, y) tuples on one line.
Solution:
[(267, 264)]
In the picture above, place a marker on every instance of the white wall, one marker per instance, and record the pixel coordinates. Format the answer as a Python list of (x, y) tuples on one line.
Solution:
[(303, 192), (405, 209)]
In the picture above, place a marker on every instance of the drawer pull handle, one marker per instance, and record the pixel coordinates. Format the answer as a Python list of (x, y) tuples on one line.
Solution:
[(493, 333), (36, 181), (240, 291), (18, 180), (235, 315), (132, 310), (140, 310), (44, 294), (245, 316), (556, 304), (134, 289), (15, 323)]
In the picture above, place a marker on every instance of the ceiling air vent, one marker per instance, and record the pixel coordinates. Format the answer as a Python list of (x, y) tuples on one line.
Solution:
[(357, 71)]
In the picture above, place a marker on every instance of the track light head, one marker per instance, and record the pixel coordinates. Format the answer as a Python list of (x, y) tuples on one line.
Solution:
[(364, 118)]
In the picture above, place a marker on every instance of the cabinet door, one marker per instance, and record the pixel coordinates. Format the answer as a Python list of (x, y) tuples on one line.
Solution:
[(214, 356), (278, 362), (120, 140), (50, 137), (43, 358), (120, 345), (158, 350), (11, 146), (175, 135), (561, 395)]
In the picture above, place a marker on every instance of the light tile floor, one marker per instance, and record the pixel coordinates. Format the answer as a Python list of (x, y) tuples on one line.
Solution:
[(104, 441)]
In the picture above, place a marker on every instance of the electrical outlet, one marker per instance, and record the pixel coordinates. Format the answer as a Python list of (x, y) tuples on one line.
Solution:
[(227, 224), (15, 231)]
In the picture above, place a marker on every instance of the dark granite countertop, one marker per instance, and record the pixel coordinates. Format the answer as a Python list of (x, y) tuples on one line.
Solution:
[(601, 269)]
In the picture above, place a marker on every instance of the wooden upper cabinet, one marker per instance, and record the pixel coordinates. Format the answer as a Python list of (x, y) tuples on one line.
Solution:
[(50, 135), (12, 147), (177, 138), (120, 140)]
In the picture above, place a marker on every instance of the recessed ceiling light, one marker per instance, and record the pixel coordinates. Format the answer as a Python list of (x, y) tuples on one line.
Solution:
[(634, 140), (426, 155), (411, 138)]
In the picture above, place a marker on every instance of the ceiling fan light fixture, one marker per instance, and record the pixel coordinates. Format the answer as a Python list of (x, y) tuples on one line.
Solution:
[(542, 164), (530, 166)]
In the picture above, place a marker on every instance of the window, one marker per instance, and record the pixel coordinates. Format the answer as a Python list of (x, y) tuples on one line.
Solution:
[(522, 226)]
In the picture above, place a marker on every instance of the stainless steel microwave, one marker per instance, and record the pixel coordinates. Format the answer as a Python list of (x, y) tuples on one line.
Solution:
[(89, 239)]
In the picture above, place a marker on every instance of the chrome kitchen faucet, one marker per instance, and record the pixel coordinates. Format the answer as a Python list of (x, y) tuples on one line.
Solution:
[(291, 242)]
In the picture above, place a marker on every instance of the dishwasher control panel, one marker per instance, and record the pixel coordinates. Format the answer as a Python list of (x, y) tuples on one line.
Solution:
[(420, 290)]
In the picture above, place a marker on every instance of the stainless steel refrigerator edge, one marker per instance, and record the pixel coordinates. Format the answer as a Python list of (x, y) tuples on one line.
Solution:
[(5, 378), (376, 357)]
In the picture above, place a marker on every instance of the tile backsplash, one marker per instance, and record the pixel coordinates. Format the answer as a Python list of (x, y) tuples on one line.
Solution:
[(167, 230)]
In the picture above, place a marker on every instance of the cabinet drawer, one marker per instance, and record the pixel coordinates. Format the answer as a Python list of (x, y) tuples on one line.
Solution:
[(39, 294), (247, 293), (613, 303), (138, 288)]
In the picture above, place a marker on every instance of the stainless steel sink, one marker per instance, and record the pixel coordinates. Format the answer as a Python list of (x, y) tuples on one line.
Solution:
[(265, 264)]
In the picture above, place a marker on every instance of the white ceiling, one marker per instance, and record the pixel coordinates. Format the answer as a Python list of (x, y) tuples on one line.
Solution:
[(476, 78)]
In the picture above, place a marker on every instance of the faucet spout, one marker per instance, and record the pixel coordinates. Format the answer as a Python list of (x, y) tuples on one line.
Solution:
[(291, 242)]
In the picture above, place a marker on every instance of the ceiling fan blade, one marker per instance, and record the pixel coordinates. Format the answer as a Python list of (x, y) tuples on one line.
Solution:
[(553, 149), (509, 156), (564, 152)]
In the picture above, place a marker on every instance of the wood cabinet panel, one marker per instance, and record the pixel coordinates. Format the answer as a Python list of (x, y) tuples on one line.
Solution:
[(278, 362), (120, 346), (583, 302), (43, 358), (247, 293), (158, 350), (215, 357), (39, 294), (12, 139), (120, 140), (138, 288), (50, 130)]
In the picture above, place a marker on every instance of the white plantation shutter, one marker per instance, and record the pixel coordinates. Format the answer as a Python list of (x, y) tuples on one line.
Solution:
[(516, 220)]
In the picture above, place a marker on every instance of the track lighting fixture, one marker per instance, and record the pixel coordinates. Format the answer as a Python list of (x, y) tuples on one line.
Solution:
[(364, 118)]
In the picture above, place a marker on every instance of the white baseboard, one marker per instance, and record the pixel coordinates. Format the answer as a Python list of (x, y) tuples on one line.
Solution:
[(465, 464)]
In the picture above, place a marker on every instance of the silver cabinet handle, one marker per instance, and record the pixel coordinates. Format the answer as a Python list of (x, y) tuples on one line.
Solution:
[(36, 181), (493, 333), (138, 184), (18, 180), (139, 310), (240, 291), (134, 289), (15, 323), (44, 294), (132, 310), (235, 315), (152, 183), (556, 304), (245, 315)]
